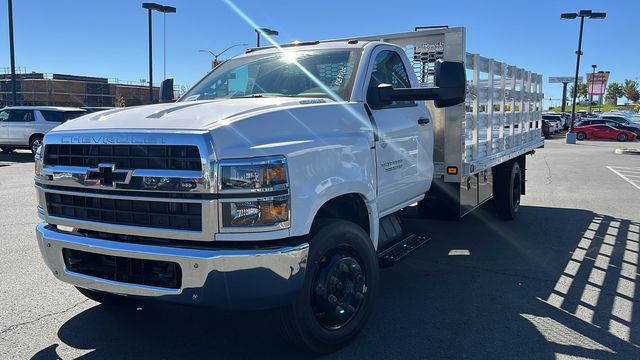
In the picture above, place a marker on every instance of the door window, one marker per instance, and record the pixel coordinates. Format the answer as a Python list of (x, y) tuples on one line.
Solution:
[(20, 116), (61, 116), (389, 69)]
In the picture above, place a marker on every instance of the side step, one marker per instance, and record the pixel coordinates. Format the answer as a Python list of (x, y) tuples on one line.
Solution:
[(401, 249)]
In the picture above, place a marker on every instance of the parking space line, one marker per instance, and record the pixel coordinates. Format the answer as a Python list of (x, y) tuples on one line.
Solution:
[(634, 182)]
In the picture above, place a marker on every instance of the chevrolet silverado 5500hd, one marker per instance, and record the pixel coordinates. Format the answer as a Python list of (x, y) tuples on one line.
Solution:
[(278, 180)]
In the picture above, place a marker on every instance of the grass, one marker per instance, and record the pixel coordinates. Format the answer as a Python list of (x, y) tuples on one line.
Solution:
[(605, 108)]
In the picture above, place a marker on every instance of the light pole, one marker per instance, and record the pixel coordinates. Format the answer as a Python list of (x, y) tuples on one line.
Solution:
[(265, 31), (14, 95), (593, 80), (163, 9), (571, 137), (215, 56)]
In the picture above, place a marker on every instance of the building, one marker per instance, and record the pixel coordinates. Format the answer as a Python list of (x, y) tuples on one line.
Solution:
[(72, 90)]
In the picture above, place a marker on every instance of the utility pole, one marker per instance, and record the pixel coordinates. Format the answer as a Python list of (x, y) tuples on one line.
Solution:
[(14, 94)]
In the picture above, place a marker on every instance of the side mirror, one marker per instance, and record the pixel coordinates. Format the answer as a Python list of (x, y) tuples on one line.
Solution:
[(449, 90), (450, 79), (166, 90)]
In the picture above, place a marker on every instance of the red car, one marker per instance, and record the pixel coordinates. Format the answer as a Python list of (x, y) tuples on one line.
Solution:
[(602, 131)]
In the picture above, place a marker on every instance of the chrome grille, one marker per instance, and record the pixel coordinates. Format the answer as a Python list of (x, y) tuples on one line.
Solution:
[(159, 157)]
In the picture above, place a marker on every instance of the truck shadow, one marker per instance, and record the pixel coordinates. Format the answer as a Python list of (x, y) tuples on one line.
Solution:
[(553, 282), (18, 156)]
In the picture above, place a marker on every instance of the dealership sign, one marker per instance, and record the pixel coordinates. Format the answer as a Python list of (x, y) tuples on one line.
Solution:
[(597, 82), (563, 79)]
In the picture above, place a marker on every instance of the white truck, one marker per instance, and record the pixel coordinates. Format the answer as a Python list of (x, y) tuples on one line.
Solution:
[(279, 180)]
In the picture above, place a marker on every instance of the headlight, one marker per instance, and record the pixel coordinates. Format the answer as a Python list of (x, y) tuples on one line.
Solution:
[(262, 189), (260, 174), (38, 161), (269, 212)]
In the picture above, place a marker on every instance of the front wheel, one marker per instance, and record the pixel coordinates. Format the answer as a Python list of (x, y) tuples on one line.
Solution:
[(340, 285), (622, 137), (35, 143)]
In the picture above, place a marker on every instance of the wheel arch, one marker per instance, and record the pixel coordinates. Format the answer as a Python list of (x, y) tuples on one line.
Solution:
[(34, 135), (352, 207)]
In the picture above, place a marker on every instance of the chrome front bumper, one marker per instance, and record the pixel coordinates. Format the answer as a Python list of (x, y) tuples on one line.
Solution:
[(222, 278)]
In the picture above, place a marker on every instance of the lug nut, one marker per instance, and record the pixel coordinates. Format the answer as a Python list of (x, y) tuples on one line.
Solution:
[(332, 298)]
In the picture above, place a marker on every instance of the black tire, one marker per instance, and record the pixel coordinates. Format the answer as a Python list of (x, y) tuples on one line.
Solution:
[(34, 143), (340, 286), (507, 187), (7, 150), (622, 137), (581, 136), (107, 299)]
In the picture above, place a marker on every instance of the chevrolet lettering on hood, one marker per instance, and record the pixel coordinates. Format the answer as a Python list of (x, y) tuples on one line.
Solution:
[(113, 139)]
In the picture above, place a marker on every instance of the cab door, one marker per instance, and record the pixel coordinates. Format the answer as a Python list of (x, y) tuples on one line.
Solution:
[(404, 145)]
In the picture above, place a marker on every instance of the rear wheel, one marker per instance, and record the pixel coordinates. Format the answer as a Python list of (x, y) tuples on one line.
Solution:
[(340, 285), (507, 187), (581, 136), (35, 143), (622, 137)]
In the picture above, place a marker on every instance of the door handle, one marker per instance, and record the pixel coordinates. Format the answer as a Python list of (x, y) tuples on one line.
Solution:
[(424, 121)]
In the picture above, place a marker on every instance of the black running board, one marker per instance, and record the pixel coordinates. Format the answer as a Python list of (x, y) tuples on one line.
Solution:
[(401, 249)]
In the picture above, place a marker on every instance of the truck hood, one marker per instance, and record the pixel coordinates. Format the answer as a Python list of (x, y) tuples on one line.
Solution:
[(190, 115)]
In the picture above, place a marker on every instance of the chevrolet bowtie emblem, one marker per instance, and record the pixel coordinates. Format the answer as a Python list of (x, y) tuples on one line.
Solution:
[(108, 175)]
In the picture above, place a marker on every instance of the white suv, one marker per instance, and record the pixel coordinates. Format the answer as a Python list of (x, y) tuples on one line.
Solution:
[(23, 127)]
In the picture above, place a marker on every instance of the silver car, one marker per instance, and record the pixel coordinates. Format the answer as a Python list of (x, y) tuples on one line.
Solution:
[(23, 127)]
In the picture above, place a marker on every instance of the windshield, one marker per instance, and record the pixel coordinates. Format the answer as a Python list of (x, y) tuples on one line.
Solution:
[(300, 73)]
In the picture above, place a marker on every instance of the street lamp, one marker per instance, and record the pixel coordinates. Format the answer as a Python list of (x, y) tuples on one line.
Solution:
[(215, 56), (571, 138), (593, 80), (265, 31), (163, 9), (14, 96)]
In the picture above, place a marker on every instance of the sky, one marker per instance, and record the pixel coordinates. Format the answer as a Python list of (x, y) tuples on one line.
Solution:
[(110, 38)]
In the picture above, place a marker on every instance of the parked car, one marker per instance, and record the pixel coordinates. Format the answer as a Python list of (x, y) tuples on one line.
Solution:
[(556, 118), (587, 102), (23, 127), (602, 132), (612, 123), (546, 129), (554, 123), (620, 119)]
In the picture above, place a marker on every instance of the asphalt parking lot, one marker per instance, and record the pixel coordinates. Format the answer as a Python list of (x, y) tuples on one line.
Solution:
[(561, 281)]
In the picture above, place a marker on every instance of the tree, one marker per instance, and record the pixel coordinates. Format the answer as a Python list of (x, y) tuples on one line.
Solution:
[(614, 91), (630, 89), (119, 101), (583, 91)]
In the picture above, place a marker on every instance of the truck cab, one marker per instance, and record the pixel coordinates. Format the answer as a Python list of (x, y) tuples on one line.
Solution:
[(279, 180)]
